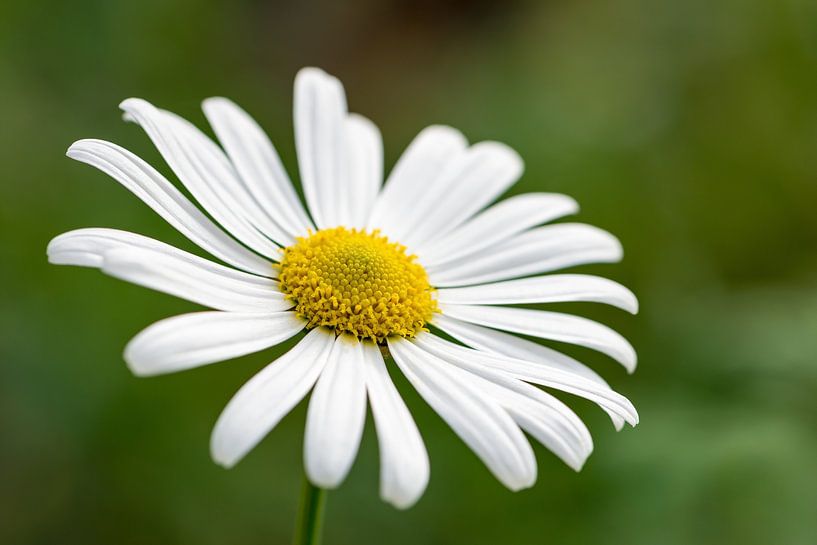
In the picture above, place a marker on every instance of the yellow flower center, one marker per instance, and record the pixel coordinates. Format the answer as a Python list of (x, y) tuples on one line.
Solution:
[(357, 282)]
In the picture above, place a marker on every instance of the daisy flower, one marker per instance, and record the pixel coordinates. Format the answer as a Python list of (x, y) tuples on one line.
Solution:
[(422, 268)]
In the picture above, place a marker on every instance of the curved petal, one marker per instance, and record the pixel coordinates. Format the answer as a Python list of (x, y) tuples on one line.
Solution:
[(336, 414), (191, 340), (476, 418), (363, 162), (505, 344), (320, 112), (404, 466), (225, 182), (207, 173), (168, 274), (496, 224), (549, 325), (87, 248), (537, 251), (167, 201), (414, 174), (259, 166), (549, 377), (555, 288), (267, 397), (542, 415), (469, 183)]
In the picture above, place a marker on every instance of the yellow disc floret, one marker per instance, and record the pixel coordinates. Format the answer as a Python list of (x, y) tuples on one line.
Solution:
[(357, 282)]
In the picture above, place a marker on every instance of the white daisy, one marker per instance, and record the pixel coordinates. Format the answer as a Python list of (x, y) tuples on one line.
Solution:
[(365, 271)]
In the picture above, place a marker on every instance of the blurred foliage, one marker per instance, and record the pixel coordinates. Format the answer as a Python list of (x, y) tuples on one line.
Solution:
[(686, 127)]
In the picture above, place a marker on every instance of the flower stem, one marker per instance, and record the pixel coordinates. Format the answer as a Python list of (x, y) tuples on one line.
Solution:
[(310, 515)]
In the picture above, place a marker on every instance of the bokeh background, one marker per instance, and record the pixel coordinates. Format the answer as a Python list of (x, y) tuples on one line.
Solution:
[(686, 127)]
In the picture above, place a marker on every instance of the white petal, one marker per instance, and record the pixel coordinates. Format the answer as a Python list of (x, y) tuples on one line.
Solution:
[(555, 288), (205, 286), (225, 182), (496, 224), (552, 378), (267, 397), (505, 344), (542, 415), (259, 166), (414, 174), (469, 182), (404, 466), (537, 251), (207, 173), (363, 176), (87, 247), (549, 325), (167, 201), (191, 340), (337, 412), (478, 420), (320, 112)]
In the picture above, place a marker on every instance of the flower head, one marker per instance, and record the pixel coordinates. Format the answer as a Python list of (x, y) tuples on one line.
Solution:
[(357, 282), (367, 270)]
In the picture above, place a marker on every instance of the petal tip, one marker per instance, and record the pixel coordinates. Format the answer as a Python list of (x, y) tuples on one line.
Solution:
[(578, 465), (312, 75), (216, 101), (134, 361), (72, 150), (219, 453), (324, 478), (222, 462), (132, 102), (401, 502), (221, 457), (445, 131), (572, 205), (217, 105), (82, 145)]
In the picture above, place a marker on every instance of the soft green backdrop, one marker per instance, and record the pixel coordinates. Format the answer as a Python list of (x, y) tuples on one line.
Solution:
[(686, 127)]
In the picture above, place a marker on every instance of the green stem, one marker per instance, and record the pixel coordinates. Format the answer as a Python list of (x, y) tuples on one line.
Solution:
[(310, 515)]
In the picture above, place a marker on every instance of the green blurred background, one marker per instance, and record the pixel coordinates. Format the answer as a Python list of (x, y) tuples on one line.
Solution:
[(686, 127)]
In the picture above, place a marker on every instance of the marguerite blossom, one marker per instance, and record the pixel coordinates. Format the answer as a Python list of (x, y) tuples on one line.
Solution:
[(366, 269)]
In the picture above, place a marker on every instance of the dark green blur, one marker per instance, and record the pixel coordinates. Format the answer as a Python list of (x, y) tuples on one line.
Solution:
[(686, 127)]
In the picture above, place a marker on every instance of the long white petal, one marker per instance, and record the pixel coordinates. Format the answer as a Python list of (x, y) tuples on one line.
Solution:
[(191, 340), (478, 420), (336, 414), (207, 173), (225, 182), (319, 114), (470, 182), (363, 174), (259, 166), (500, 222), (169, 274), (549, 325), (87, 247), (536, 251), (551, 378), (267, 397), (554, 288), (167, 201), (505, 344), (404, 466), (414, 174), (539, 413)]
